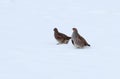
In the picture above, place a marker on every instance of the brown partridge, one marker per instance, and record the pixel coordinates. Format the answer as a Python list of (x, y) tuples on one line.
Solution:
[(77, 40), (60, 37)]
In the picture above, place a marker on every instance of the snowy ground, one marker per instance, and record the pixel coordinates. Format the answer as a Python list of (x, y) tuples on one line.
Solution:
[(28, 49)]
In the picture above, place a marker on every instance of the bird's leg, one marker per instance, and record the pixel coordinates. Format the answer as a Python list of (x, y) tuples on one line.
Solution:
[(67, 41), (58, 43)]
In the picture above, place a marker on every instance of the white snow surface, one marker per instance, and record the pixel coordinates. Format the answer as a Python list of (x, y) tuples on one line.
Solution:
[(28, 49)]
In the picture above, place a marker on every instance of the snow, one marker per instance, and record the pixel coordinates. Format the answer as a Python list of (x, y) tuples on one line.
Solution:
[(28, 49)]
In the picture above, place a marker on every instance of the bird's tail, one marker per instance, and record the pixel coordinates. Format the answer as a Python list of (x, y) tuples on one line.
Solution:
[(88, 44), (69, 37)]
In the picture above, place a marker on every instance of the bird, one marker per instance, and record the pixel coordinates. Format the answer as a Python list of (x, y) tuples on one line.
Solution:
[(60, 37), (77, 40)]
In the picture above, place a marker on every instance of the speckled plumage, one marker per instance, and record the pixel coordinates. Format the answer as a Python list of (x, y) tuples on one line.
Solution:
[(77, 40), (60, 37)]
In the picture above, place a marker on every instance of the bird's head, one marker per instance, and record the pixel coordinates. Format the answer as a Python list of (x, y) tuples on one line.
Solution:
[(74, 29), (55, 29)]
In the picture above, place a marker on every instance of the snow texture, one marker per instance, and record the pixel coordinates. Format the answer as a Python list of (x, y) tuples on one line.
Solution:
[(28, 49)]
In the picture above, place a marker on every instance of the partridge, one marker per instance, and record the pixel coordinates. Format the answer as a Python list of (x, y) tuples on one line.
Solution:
[(77, 40), (60, 37)]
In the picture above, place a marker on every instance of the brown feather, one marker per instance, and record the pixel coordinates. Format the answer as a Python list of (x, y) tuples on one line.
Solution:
[(78, 40), (60, 37)]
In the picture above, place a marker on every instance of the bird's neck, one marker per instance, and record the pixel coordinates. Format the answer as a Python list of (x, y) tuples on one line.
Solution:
[(56, 31), (75, 34)]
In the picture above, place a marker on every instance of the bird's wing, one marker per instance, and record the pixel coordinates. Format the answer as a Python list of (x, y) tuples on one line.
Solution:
[(83, 40), (63, 35), (78, 41), (58, 36)]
